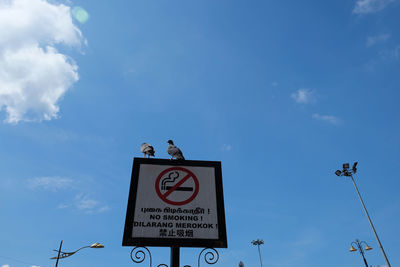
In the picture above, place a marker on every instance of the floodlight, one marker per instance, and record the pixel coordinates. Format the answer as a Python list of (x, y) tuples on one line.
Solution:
[(346, 166), (355, 167), (338, 172)]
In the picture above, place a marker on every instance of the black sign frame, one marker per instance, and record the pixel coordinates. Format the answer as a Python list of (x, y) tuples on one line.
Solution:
[(128, 240)]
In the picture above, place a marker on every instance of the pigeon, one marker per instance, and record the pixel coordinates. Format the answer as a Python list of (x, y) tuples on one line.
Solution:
[(147, 149), (174, 151)]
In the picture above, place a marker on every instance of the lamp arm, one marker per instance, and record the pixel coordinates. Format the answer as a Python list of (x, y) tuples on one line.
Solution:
[(363, 242), (81, 248), (73, 252)]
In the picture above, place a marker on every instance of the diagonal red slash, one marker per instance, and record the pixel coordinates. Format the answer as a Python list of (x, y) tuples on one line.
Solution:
[(177, 185)]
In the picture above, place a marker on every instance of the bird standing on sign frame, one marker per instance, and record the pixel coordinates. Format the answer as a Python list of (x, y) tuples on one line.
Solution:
[(147, 149), (174, 151)]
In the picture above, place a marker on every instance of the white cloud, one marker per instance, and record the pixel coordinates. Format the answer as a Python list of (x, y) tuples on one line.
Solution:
[(50, 183), (226, 147), (85, 203), (104, 208), (372, 40), (303, 96), (34, 76), (370, 6), (5, 265), (62, 206), (396, 52), (328, 118), (77, 201), (391, 54), (89, 205)]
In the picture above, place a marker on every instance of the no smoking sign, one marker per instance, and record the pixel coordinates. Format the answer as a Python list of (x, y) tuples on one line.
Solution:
[(177, 186), (173, 202)]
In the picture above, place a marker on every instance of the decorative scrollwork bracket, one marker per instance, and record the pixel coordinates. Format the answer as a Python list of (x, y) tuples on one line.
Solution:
[(138, 254), (209, 255)]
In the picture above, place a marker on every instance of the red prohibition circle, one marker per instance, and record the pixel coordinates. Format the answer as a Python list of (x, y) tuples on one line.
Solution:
[(188, 176)]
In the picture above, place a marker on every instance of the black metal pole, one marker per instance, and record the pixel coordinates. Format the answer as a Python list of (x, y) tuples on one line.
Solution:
[(259, 254), (362, 254), (370, 222), (174, 256), (365, 261), (59, 251), (358, 243)]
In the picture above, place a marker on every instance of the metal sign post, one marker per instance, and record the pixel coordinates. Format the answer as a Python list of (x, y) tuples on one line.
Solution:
[(175, 256)]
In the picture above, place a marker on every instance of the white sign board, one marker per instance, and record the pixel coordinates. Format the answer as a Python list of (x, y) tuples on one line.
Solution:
[(175, 202)]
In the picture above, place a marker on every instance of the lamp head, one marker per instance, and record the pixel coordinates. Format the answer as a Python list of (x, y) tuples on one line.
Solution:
[(352, 249), (97, 245), (367, 247), (338, 172), (257, 242), (346, 166)]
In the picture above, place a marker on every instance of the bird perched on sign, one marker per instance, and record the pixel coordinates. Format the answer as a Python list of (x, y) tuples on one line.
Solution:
[(174, 151), (147, 149)]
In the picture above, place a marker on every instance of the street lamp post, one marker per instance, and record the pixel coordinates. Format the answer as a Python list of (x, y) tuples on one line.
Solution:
[(257, 243), (349, 173), (59, 251), (67, 254), (358, 244)]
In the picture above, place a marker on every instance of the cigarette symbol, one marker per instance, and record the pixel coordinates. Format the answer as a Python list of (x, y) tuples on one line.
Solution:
[(172, 176)]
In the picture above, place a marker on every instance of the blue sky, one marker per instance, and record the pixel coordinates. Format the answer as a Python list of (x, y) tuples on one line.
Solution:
[(281, 92)]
